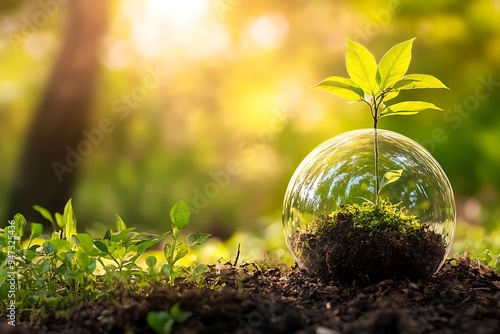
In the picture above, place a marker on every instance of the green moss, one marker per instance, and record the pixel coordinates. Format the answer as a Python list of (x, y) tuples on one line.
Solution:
[(385, 216)]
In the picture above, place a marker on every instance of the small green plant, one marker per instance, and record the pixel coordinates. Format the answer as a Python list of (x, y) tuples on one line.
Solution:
[(378, 239), (55, 271), (377, 84), (162, 322), (175, 251)]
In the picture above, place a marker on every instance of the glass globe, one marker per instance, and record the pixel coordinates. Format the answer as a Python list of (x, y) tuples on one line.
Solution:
[(341, 171)]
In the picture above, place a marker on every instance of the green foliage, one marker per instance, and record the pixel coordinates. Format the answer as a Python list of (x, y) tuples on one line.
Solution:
[(390, 177), (385, 216), (162, 322), (68, 267), (376, 84), (179, 215), (173, 251)]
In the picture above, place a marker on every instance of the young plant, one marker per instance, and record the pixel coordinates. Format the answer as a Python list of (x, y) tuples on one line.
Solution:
[(173, 251), (120, 250), (162, 322), (375, 85)]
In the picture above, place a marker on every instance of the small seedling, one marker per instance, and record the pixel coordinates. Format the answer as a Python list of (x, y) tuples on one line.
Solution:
[(175, 251), (378, 239), (377, 84), (162, 322)]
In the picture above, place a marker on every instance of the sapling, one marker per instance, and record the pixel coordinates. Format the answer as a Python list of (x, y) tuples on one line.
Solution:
[(332, 235), (174, 251), (377, 84)]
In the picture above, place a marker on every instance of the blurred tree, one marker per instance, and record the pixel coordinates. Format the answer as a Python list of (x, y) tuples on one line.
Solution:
[(46, 173)]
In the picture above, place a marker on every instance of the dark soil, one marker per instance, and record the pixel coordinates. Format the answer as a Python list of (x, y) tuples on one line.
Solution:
[(463, 297), (337, 250)]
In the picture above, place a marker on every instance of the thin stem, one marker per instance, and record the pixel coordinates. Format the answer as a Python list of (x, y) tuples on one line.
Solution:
[(170, 259), (375, 148), (371, 108)]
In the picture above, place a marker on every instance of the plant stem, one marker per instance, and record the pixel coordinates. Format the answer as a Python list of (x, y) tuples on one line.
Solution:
[(375, 148), (377, 186), (171, 260)]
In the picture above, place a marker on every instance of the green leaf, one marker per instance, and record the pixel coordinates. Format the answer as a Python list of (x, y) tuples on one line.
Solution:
[(49, 247), (166, 270), (179, 214), (390, 95), (75, 239), (143, 236), (69, 222), (143, 245), (101, 246), (393, 175), (179, 315), (181, 250), (36, 230), (124, 235), (161, 322), (408, 108), (92, 265), (120, 225), (196, 238), (362, 67), (45, 213), (343, 87), (85, 242), (418, 81), (390, 177), (31, 253), (43, 266), (59, 220), (72, 274), (151, 261), (108, 234), (168, 251), (86, 263), (394, 64), (19, 223)]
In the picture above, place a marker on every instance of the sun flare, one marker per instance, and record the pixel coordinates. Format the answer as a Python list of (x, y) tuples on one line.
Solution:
[(184, 12)]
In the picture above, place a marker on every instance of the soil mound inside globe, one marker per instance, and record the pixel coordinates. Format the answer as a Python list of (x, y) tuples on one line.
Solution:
[(338, 249)]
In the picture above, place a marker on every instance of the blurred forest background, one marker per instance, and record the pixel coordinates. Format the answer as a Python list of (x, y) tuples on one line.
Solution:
[(211, 101)]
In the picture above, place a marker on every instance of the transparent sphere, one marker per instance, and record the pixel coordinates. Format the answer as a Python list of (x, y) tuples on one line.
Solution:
[(341, 171)]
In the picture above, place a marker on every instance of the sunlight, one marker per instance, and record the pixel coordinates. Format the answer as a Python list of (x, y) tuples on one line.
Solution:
[(185, 12), (167, 28), (267, 32)]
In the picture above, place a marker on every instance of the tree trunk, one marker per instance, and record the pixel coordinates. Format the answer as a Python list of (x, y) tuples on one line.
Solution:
[(62, 114)]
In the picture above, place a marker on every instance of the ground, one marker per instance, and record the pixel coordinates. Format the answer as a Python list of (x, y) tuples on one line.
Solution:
[(464, 297)]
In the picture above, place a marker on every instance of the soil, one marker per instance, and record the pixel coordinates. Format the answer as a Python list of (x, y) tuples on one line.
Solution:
[(463, 297), (337, 250)]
